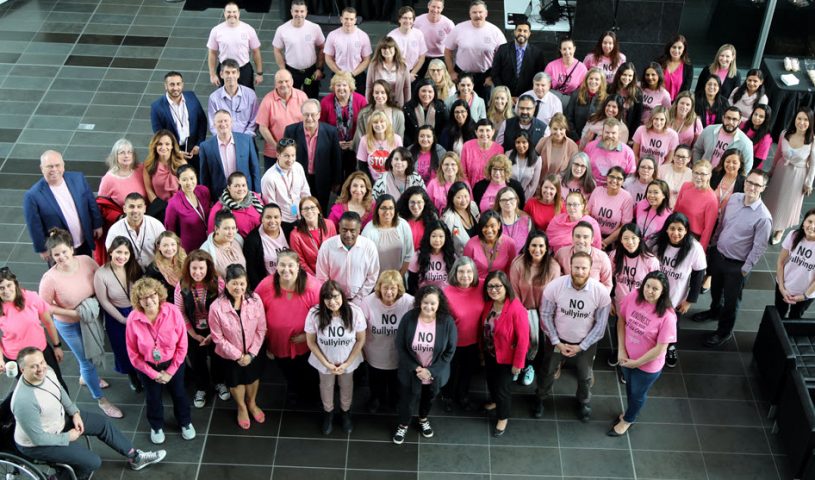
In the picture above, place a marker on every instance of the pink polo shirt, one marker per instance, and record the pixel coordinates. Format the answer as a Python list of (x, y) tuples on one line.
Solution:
[(233, 42), (474, 160), (474, 47), (299, 43), (656, 145), (276, 114), (574, 314), (411, 45), (22, 328), (434, 33), (348, 49), (602, 160), (610, 211), (644, 329)]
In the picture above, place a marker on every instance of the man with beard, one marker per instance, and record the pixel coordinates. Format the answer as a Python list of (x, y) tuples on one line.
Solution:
[(180, 112), (509, 129), (609, 151), (516, 63), (715, 139)]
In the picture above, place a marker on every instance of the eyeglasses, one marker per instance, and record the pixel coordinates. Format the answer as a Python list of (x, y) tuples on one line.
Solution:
[(390, 209), (285, 142), (416, 204), (495, 287), (149, 295), (496, 169), (614, 178), (308, 209), (700, 174), (748, 182)]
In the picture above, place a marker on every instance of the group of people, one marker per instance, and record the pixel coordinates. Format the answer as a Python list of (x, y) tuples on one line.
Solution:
[(476, 207)]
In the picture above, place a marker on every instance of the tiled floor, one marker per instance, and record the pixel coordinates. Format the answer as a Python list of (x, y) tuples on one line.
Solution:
[(69, 65)]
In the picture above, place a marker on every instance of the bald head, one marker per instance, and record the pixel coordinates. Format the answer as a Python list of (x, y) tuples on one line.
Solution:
[(52, 167), (283, 83)]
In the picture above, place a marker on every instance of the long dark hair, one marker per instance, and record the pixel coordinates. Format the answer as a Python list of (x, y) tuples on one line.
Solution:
[(531, 154), (302, 275), (663, 242), (600, 113), (664, 301), (324, 315), (764, 129), (615, 52), (660, 75), (415, 149), (444, 306), (485, 217), (133, 270), (741, 90), (620, 251), (402, 206), (448, 251), (466, 131), (632, 92), (451, 194), (797, 235), (791, 127), (546, 262), (666, 192), (19, 300), (666, 52), (301, 226)]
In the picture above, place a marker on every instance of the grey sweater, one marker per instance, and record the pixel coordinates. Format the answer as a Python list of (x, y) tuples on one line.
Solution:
[(39, 411)]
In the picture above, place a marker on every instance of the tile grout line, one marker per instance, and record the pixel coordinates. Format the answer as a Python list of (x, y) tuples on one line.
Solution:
[(695, 430)]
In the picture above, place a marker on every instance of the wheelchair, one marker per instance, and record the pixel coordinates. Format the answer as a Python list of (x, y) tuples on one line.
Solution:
[(13, 464)]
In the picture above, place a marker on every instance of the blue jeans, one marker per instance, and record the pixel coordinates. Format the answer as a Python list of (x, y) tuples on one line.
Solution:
[(637, 384), (71, 333), (116, 336)]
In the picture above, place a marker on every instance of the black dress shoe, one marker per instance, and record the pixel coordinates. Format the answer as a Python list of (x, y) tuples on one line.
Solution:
[(537, 409), (496, 432), (585, 412), (716, 340), (705, 316), (613, 433)]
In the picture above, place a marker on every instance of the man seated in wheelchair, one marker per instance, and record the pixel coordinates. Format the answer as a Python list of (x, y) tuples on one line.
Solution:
[(48, 421)]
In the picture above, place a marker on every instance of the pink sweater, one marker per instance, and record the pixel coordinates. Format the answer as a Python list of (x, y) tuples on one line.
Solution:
[(246, 218), (701, 208), (511, 335), (465, 307), (474, 160)]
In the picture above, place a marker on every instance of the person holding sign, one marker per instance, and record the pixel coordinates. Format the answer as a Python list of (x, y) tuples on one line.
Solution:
[(573, 316), (426, 342)]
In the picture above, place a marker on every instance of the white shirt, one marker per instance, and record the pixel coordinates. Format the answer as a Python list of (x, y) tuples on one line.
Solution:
[(285, 189), (144, 242), (181, 118)]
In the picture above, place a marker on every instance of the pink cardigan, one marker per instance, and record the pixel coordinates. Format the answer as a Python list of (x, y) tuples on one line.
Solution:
[(233, 337), (511, 335), (168, 334)]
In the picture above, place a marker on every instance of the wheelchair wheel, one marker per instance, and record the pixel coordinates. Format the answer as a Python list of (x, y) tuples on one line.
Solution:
[(13, 467)]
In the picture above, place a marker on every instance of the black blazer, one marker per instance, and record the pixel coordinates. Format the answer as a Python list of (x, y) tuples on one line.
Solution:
[(253, 251), (412, 123), (718, 108), (327, 164), (513, 126), (443, 349), (578, 115), (716, 179), (504, 68), (480, 188), (728, 85)]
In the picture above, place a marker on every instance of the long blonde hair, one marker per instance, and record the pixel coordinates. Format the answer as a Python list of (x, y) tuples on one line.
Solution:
[(493, 114), (732, 71), (370, 136), (442, 89), (583, 91)]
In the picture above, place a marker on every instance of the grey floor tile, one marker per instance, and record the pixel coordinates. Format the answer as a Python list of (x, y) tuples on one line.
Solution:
[(575, 434), (739, 466), (67, 96), (39, 137), (525, 461), (684, 465), (732, 439), (163, 471), (383, 456), (725, 412), (595, 463), (718, 387), (456, 458), (463, 430), (288, 473), (661, 436), (313, 453), (218, 472)]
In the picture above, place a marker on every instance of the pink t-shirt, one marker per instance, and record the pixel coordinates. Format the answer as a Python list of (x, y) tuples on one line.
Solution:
[(276, 114), (600, 264), (629, 278), (348, 49), (423, 343), (335, 341), (233, 42), (474, 47), (610, 211), (644, 329), (574, 314), (673, 80), (679, 275), (68, 208), (383, 323), (376, 158), (604, 64), (67, 290), (434, 33), (799, 271), (466, 305), (636, 188), (299, 44), (651, 99), (560, 228), (411, 45), (438, 192), (560, 72), (474, 160), (723, 140), (423, 167), (22, 328), (488, 200), (654, 144), (573, 186), (271, 247), (687, 135), (436, 273), (649, 221), (602, 160)]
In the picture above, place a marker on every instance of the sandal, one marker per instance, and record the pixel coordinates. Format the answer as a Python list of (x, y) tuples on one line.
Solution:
[(259, 416), (244, 424)]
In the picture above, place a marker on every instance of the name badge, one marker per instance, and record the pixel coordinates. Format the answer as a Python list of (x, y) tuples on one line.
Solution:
[(156, 355), (293, 209)]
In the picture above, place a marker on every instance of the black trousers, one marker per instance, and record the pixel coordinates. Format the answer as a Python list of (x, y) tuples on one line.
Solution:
[(154, 404), (408, 399), (795, 311), (204, 375), (464, 363), (384, 386), (301, 378), (727, 284), (499, 384), (300, 78)]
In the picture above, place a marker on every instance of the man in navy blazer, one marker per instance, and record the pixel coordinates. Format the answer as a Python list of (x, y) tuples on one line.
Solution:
[(181, 113), (240, 152), (325, 172), (64, 200)]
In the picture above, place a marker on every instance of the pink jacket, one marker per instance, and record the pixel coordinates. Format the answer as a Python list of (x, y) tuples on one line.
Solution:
[(233, 336), (168, 334), (511, 337)]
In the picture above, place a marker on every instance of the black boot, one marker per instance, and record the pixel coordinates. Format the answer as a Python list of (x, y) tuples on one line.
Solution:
[(347, 425), (328, 422)]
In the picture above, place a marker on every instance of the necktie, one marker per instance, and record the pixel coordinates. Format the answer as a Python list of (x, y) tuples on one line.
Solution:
[(519, 53), (537, 108)]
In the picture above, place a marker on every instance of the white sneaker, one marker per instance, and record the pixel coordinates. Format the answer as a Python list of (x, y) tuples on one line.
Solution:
[(223, 392), (188, 432), (200, 399), (157, 436)]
